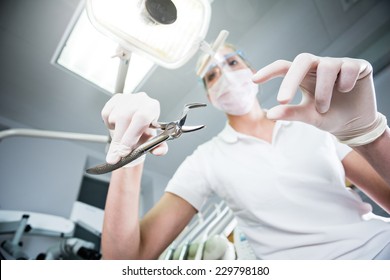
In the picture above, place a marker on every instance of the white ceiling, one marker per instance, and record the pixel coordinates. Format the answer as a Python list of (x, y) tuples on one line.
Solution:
[(35, 93)]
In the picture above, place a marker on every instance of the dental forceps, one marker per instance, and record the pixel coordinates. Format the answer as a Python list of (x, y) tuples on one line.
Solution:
[(170, 130)]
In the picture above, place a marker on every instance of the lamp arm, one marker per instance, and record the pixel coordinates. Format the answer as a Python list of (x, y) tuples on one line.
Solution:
[(124, 57), (53, 135)]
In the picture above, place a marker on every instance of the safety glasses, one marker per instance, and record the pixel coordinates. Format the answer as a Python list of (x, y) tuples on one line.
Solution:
[(222, 63)]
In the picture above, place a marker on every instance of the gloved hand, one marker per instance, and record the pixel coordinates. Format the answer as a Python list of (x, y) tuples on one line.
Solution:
[(128, 117), (338, 96)]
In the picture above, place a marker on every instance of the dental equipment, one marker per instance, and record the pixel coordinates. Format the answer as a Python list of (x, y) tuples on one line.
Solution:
[(161, 11), (38, 223), (13, 247), (167, 32), (31, 223), (71, 248), (194, 234), (216, 226), (171, 130), (197, 221)]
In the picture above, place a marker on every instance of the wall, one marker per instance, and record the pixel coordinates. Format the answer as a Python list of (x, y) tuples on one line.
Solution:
[(44, 175), (382, 83), (40, 175)]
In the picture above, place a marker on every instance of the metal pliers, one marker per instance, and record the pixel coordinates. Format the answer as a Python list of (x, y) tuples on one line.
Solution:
[(170, 130)]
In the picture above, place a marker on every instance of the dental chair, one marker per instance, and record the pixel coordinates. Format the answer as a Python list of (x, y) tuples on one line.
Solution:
[(61, 233)]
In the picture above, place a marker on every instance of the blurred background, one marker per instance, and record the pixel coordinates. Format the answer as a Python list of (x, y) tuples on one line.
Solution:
[(48, 176)]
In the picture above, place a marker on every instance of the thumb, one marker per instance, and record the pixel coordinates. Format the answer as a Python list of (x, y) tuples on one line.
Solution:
[(114, 153), (290, 113)]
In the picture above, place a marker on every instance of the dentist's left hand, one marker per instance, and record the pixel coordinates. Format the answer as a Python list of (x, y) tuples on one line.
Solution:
[(338, 96), (128, 117)]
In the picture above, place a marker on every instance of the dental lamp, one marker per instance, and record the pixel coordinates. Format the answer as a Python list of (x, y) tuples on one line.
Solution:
[(168, 32)]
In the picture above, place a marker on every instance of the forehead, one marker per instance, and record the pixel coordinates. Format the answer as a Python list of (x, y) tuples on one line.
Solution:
[(225, 50), (223, 53)]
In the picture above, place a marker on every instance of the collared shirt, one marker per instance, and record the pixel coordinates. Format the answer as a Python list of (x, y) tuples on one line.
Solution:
[(289, 196)]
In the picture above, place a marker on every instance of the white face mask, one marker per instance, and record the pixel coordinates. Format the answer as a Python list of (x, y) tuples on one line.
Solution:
[(234, 93)]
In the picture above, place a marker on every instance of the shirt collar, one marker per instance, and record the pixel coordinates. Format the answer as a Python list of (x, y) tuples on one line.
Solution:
[(228, 134)]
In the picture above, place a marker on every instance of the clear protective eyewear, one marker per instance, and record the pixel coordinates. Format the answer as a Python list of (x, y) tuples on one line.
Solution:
[(221, 63)]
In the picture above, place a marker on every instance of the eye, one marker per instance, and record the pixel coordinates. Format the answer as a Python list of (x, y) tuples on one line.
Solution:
[(210, 76), (233, 62)]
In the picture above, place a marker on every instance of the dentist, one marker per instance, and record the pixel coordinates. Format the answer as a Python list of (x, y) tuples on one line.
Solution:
[(283, 179)]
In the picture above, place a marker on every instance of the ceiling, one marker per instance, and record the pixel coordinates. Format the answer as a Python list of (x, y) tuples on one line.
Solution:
[(37, 94)]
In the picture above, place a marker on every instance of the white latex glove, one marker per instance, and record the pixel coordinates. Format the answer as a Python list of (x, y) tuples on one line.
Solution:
[(338, 96), (128, 117)]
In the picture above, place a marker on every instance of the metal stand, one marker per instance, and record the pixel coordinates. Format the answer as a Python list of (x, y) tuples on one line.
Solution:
[(124, 57), (14, 247)]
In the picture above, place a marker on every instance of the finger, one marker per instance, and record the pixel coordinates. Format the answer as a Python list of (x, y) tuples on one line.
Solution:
[(281, 112), (348, 76), (121, 148), (365, 68), (291, 113), (301, 65), (120, 122), (139, 125), (116, 150), (107, 109), (276, 69), (327, 72), (113, 155), (160, 150)]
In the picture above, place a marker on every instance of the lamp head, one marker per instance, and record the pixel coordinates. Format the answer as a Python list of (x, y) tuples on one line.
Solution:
[(168, 32)]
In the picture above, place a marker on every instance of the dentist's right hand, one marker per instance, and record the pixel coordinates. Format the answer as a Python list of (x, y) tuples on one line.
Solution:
[(128, 117)]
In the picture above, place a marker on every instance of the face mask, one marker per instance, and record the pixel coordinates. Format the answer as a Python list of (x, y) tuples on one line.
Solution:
[(234, 93)]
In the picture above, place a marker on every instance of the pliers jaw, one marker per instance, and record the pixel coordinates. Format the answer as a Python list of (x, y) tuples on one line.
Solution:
[(190, 128), (180, 122), (186, 109), (180, 128)]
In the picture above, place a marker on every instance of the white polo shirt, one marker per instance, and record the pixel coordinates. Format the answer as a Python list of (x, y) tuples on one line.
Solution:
[(289, 197)]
